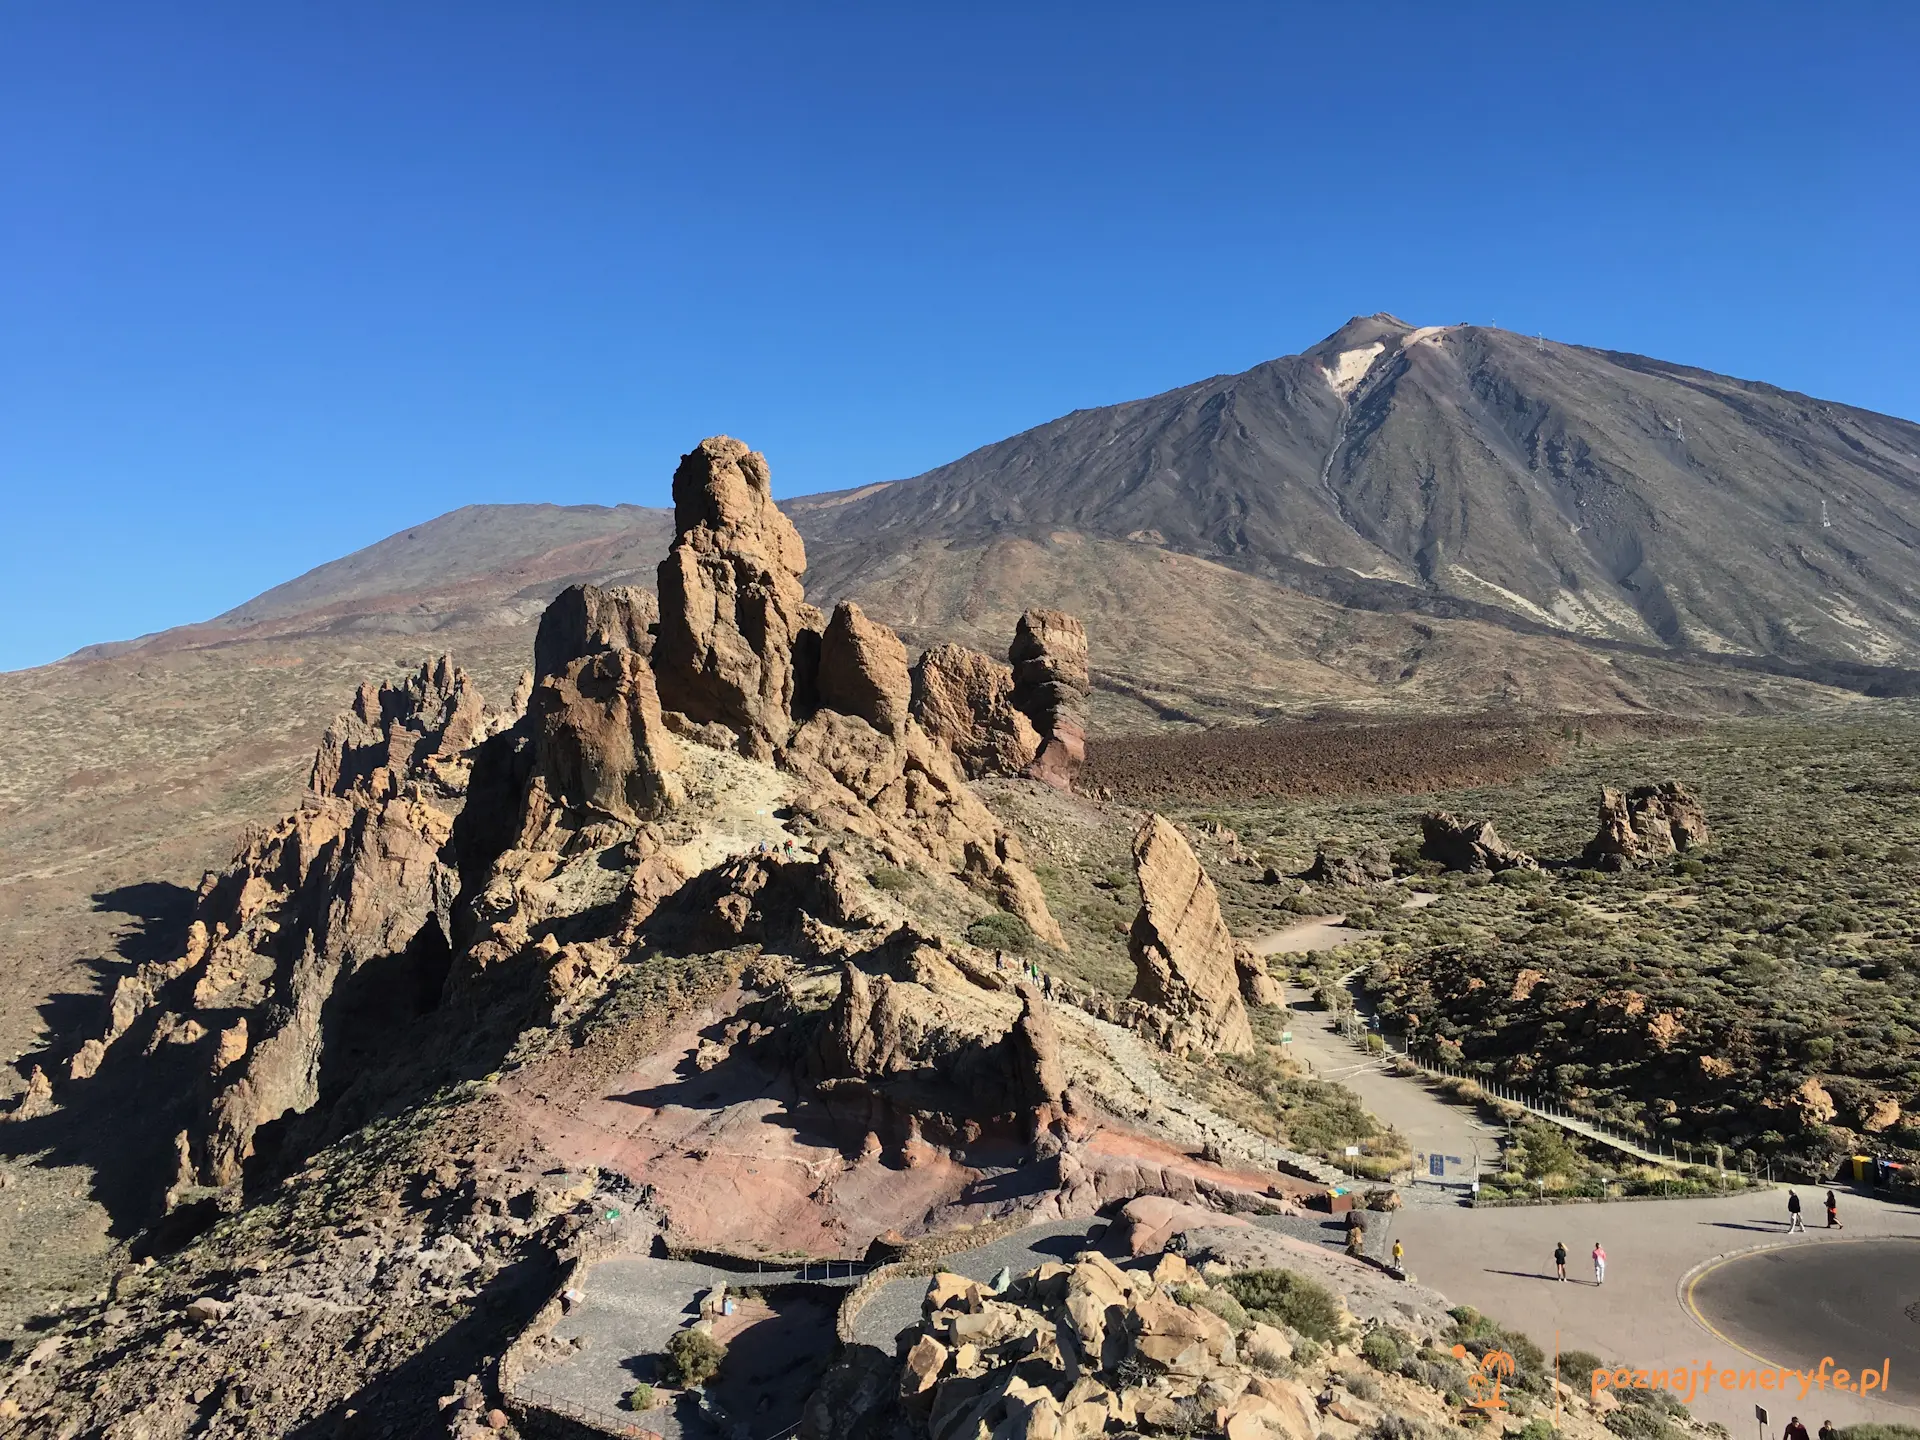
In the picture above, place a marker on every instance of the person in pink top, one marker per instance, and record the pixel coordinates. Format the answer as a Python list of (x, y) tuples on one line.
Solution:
[(1599, 1264)]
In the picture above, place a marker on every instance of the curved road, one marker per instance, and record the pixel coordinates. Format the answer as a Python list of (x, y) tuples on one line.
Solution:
[(1793, 1305)]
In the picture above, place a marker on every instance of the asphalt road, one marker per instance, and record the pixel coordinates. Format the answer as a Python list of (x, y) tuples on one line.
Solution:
[(1792, 1306)]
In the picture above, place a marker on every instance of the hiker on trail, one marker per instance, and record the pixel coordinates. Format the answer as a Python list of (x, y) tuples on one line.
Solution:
[(1833, 1213), (1399, 1254), (1827, 1432), (1599, 1264), (1795, 1430), (1560, 1259), (1794, 1222)]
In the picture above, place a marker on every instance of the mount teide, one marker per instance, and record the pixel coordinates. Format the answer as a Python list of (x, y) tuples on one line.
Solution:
[(1460, 471)]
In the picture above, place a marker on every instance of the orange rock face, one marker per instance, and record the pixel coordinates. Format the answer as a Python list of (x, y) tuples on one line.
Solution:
[(1183, 953), (964, 699), (732, 606)]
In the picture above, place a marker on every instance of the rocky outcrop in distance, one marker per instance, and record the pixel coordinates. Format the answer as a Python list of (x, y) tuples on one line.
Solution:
[(1468, 845), (1050, 683), (1188, 967), (1369, 865), (1646, 824)]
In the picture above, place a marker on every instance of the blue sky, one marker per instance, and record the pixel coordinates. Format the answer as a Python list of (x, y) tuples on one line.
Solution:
[(277, 280)]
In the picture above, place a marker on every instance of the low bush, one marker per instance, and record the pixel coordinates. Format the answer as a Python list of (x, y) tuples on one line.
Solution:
[(640, 1398), (1289, 1299), (1001, 931), (1361, 1385), (889, 877), (1380, 1350)]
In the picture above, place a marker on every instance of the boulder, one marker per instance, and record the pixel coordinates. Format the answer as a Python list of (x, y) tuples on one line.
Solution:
[(1369, 865), (1468, 845), (1050, 683), (586, 619), (1646, 824), (863, 670), (964, 700), (1183, 954), (1153, 1220), (732, 606)]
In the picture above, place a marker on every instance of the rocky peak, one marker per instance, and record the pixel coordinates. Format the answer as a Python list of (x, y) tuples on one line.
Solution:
[(1050, 682), (391, 732), (732, 605)]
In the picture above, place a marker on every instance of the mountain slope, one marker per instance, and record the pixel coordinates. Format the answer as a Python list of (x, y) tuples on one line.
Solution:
[(1466, 471)]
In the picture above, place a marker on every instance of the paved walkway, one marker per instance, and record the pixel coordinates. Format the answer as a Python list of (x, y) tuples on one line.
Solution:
[(629, 1307), (1430, 1125), (1501, 1262)]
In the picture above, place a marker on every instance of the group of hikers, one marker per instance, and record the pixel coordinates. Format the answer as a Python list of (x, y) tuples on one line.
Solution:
[(1794, 1222), (1599, 1262), (1796, 1431)]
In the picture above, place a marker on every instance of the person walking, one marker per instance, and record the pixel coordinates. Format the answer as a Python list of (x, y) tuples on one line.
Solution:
[(1827, 1432), (1794, 1222), (1560, 1259), (1833, 1213), (1399, 1255), (1599, 1264), (1795, 1430)]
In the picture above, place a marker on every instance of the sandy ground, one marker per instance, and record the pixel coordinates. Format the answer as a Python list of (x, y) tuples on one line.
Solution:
[(1317, 932)]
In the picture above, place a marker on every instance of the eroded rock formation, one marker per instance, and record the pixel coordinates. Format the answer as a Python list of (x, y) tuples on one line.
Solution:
[(732, 606), (964, 699), (586, 619), (599, 741), (1050, 682), (1646, 824), (354, 888), (1369, 865), (1468, 845), (1185, 958), (863, 670)]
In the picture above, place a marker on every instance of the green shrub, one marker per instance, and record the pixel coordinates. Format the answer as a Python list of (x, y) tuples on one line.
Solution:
[(1292, 1299), (1577, 1367), (1361, 1385), (1401, 1427), (640, 1397), (1222, 1303), (1538, 1428), (1380, 1350), (1879, 1432), (889, 877), (1001, 931), (694, 1356)]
